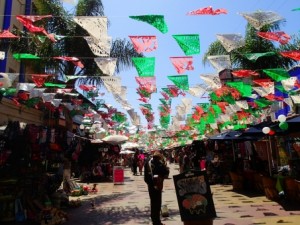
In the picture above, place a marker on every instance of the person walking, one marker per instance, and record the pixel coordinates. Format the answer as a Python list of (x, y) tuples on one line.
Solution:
[(155, 171)]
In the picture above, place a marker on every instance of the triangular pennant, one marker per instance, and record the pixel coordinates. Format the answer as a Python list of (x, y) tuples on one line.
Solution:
[(112, 84), (280, 36), (264, 90), (73, 60), (220, 62), (99, 47), (254, 56), (207, 11), (39, 79), (181, 81), (144, 43), (277, 74), (182, 64), (28, 20), (231, 41), (96, 26), (212, 81), (157, 21), (259, 19), (189, 43), (106, 65), (295, 55), (262, 103), (244, 73), (242, 104), (198, 90), (295, 98), (243, 88), (289, 84), (263, 82), (20, 56), (7, 34), (145, 66), (148, 83), (28, 87)]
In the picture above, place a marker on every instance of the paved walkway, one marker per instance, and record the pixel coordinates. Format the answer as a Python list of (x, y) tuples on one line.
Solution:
[(128, 203)]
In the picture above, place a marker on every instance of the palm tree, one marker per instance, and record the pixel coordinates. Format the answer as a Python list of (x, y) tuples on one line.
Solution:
[(255, 44)]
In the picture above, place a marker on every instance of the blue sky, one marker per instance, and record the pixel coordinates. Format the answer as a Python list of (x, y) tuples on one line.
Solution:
[(207, 26)]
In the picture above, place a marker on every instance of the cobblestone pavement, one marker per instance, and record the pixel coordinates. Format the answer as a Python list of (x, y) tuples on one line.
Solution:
[(128, 203)]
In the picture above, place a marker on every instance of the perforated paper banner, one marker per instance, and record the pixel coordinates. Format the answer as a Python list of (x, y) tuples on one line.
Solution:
[(157, 21), (20, 56), (220, 62), (278, 36), (254, 56), (182, 64), (213, 81), (144, 43), (260, 18), (198, 90), (243, 88), (99, 47), (189, 43), (244, 73), (96, 26), (145, 66), (25, 87), (148, 83), (181, 81), (7, 34), (264, 91), (295, 55), (231, 41), (289, 84), (112, 84), (106, 65), (277, 74), (207, 11)]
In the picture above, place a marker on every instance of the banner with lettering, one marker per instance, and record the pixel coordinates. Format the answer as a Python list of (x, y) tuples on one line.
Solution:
[(194, 196)]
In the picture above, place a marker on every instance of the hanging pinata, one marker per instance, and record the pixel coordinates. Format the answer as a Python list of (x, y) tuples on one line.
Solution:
[(158, 21), (189, 43)]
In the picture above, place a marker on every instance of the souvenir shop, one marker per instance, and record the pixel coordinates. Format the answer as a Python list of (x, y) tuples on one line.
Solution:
[(33, 157)]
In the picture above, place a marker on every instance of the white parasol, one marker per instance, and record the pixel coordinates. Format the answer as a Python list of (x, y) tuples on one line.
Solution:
[(115, 139)]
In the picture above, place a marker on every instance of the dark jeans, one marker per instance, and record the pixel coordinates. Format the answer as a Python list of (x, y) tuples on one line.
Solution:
[(155, 202)]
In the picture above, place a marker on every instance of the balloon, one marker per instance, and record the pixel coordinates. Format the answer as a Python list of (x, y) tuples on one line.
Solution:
[(283, 125), (272, 132), (281, 118), (266, 130)]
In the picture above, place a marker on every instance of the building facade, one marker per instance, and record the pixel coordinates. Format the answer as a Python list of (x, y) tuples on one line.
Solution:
[(8, 11)]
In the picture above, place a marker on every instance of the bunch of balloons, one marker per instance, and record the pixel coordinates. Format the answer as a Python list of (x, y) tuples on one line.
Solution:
[(282, 124)]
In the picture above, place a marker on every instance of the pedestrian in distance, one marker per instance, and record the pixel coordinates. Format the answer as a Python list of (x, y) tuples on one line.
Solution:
[(155, 171)]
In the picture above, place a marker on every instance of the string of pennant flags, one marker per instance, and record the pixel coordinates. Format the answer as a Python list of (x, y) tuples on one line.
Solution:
[(226, 103)]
